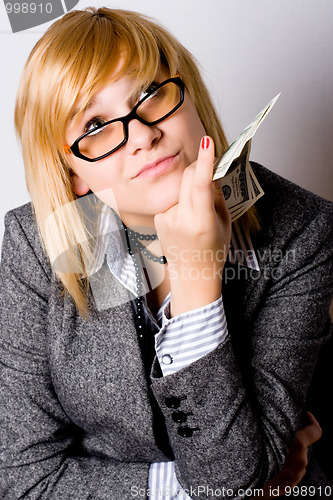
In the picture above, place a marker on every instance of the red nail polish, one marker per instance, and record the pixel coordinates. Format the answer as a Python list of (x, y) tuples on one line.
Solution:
[(205, 142)]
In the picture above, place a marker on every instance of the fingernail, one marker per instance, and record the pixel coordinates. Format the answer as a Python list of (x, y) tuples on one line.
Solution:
[(205, 142)]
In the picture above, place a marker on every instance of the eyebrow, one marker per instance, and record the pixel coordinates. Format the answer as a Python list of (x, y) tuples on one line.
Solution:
[(77, 111), (94, 101)]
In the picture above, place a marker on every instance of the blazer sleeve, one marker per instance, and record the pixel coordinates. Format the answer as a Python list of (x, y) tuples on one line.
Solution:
[(39, 446), (240, 423)]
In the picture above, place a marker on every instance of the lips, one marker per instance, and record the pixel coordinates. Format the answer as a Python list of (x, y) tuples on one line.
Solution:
[(155, 163)]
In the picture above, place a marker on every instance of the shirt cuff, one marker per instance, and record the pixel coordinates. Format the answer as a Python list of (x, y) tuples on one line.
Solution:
[(163, 482), (187, 337)]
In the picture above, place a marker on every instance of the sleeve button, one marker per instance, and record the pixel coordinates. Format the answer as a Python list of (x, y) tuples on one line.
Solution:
[(167, 359), (185, 431), (172, 402), (179, 416)]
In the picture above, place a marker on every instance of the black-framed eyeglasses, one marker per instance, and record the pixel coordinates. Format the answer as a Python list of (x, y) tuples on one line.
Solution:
[(106, 138)]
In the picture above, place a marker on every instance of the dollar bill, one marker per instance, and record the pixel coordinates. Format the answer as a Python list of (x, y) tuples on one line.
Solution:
[(236, 186), (240, 187), (239, 184), (224, 165)]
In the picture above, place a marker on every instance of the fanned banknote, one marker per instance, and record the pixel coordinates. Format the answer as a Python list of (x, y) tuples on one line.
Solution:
[(240, 186)]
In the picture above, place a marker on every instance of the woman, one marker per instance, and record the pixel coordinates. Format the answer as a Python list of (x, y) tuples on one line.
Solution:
[(123, 368)]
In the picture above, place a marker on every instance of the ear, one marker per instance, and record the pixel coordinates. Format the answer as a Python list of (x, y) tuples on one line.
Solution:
[(79, 186)]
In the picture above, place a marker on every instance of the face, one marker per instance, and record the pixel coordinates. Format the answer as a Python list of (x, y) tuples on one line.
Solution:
[(171, 145)]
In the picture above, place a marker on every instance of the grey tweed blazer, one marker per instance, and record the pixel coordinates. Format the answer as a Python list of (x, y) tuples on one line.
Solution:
[(78, 418)]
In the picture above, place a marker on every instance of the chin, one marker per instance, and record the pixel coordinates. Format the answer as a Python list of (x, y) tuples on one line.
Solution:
[(168, 195), (164, 202)]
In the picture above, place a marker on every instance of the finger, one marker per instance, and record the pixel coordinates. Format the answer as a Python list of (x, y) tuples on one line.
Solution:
[(310, 433), (202, 192), (284, 478), (289, 478), (311, 419), (186, 187), (296, 465)]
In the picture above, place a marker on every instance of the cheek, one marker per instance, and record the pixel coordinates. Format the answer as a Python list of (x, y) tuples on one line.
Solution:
[(101, 181), (192, 142), (97, 175), (194, 129), (108, 189)]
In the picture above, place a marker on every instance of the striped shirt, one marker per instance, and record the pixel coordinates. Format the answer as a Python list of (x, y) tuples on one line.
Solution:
[(180, 340)]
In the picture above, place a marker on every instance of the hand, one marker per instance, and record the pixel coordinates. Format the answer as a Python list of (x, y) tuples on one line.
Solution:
[(195, 235), (294, 467)]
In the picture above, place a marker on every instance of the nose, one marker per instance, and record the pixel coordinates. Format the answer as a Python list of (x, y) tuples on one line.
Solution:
[(141, 136)]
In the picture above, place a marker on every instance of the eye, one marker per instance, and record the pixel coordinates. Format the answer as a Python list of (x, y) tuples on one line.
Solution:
[(148, 90), (97, 121)]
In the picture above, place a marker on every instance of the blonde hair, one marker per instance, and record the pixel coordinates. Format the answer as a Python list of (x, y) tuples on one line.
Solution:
[(75, 57)]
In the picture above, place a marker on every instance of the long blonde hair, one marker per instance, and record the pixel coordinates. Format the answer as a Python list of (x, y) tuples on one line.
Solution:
[(75, 57)]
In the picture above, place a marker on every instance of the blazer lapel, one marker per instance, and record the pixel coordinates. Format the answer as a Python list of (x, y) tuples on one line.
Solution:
[(98, 362)]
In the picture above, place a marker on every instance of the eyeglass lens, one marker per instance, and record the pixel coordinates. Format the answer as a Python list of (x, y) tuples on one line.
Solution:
[(103, 140)]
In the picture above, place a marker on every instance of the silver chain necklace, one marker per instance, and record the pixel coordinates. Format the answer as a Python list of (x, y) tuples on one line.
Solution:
[(136, 238)]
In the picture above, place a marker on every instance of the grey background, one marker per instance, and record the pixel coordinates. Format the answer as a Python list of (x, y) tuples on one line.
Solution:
[(24, 15), (32, 14), (249, 52)]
